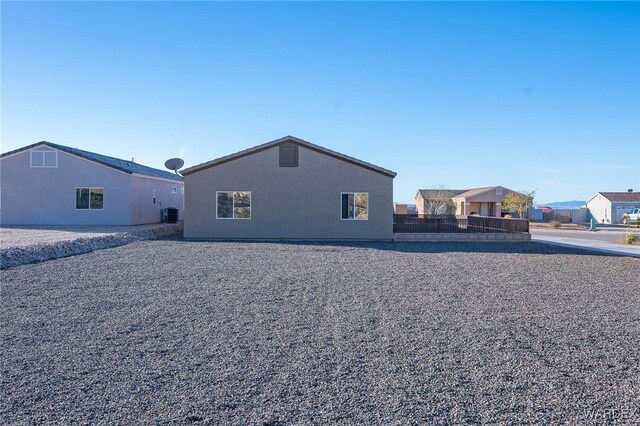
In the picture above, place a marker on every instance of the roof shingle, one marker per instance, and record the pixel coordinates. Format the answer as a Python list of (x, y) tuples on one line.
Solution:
[(622, 196)]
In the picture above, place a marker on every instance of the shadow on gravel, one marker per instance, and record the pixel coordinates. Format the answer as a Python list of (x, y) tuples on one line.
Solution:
[(425, 247)]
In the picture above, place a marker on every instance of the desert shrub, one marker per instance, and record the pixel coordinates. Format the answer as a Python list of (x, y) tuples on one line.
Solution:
[(631, 238), (555, 224)]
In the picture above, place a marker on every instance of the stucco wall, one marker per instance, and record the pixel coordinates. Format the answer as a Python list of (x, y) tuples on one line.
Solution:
[(579, 215), (488, 196), (47, 196), (143, 210), (600, 209), (288, 202), (419, 204)]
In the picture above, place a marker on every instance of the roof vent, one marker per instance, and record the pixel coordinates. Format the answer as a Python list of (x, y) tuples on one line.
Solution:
[(288, 155)]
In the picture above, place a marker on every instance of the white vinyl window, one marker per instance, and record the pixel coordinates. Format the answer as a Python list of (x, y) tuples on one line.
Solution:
[(233, 205), (42, 158), (89, 198), (355, 205)]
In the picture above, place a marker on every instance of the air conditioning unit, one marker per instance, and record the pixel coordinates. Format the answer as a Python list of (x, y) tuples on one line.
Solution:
[(170, 215)]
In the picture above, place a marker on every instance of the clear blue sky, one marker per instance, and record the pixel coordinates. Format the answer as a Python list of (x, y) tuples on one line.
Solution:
[(539, 96)]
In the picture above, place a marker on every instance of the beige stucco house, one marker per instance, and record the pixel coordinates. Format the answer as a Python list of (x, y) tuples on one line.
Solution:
[(51, 184), (288, 189), (486, 201)]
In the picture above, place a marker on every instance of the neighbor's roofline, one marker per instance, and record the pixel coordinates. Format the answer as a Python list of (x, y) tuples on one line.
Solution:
[(600, 193), (482, 190), (597, 193), (477, 191), (70, 151), (301, 142), (611, 200)]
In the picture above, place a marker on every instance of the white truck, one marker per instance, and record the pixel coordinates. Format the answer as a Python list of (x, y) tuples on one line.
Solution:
[(632, 216)]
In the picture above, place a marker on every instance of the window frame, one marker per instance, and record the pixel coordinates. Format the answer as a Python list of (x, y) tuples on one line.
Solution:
[(44, 156), (354, 205), (233, 206), (89, 188)]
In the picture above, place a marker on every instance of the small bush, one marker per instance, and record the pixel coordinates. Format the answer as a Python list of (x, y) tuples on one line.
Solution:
[(631, 238), (555, 224)]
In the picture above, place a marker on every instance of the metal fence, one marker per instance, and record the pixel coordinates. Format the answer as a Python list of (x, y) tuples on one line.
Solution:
[(477, 224)]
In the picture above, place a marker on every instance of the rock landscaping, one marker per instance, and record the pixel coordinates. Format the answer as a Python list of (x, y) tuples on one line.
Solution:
[(190, 333), (69, 246)]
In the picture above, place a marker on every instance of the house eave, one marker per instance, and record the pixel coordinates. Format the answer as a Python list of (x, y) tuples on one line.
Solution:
[(300, 142)]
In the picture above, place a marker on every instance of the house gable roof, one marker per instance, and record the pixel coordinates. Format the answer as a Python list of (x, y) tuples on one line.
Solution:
[(460, 193), (428, 194), (628, 197), (125, 166), (477, 191), (290, 139)]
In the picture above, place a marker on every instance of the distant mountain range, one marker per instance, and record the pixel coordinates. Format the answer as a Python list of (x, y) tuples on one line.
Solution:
[(575, 204)]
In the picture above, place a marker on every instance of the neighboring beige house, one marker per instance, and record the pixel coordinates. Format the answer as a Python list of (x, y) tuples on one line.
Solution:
[(50, 184), (288, 189), (486, 201), (608, 207)]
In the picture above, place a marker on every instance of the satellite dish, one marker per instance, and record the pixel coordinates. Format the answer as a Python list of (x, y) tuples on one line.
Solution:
[(174, 164)]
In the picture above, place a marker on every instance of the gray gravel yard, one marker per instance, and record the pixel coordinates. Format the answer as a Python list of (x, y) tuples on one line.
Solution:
[(365, 333)]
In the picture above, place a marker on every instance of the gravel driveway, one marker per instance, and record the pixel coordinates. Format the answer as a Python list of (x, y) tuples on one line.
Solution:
[(373, 333)]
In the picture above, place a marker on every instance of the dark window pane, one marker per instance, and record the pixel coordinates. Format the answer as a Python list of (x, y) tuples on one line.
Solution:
[(97, 198), (225, 204), (345, 206), (82, 198)]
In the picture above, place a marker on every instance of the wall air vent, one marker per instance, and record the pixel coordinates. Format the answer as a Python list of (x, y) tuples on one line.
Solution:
[(288, 155)]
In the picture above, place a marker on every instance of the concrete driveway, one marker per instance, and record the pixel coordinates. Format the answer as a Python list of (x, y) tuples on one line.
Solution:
[(604, 240)]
